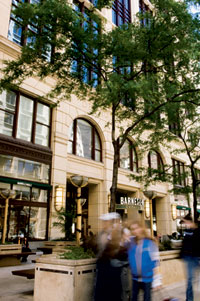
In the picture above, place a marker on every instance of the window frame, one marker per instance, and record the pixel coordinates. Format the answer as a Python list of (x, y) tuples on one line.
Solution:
[(34, 119), (178, 167), (160, 164), (88, 74), (132, 151), (120, 11), (93, 147)]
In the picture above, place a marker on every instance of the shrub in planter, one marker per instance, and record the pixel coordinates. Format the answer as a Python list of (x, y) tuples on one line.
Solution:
[(76, 253)]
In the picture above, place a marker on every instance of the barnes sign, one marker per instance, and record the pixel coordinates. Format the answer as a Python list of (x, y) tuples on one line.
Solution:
[(128, 202)]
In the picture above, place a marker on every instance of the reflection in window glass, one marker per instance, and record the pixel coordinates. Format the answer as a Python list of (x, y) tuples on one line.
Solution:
[(39, 195), (8, 101), (25, 119), (38, 222), (125, 156), (15, 32), (7, 111), (128, 156), (83, 139), (42, 135), (24, 169), (43, 114), (154, 160)]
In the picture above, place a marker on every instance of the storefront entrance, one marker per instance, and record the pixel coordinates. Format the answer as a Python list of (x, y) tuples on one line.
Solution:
[(27, 211), (71, 210)]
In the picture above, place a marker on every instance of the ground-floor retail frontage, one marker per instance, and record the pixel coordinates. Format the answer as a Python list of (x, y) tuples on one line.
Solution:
[(25, 192)]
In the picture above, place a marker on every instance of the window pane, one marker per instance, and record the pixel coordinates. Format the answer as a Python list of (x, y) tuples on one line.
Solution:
[(38, 222), (6, 123), (8, 101), (25, 118), (39, 195), (97, 142), (134, 160), (97, 155), (34, 1), (83, 143), (154, 162), (43, 114), (24, 169), (42, 135), (14, 32), (125, 156)]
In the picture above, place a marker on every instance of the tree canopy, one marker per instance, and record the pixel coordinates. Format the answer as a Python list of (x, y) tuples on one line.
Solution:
[(138, 71)]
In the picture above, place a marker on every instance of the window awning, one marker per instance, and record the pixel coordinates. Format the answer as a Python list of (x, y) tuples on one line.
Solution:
[(183, 207), (25, 182)]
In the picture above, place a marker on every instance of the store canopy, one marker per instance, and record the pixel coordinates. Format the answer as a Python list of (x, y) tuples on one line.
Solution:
[(183, 207), (25, 182)]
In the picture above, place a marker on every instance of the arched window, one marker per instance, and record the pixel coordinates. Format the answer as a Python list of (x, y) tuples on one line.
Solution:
[(155, 162), (84, 140), (128, 157)]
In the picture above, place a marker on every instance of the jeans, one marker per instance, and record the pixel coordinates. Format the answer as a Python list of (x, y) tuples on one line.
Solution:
[(145, 286), (191, 265)]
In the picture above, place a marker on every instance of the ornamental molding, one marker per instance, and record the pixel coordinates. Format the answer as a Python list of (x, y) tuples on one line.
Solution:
[(26, 150)]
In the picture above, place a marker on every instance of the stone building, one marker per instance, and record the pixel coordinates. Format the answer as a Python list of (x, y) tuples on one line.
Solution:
[(42, 147)]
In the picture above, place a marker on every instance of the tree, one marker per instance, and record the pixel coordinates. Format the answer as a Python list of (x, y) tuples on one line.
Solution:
[(133, 71), (182, 126)]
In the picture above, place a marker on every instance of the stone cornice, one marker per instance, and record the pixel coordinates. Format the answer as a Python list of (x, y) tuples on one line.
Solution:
[(27, 150)]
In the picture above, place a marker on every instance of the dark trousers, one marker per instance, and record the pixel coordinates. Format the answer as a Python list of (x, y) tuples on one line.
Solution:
[(145, 286), (191, 265)]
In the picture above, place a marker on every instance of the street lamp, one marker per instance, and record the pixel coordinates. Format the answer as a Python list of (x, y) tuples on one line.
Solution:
[(6, 194), (174, 211), (150, 194), (59, 198), (79, 182)]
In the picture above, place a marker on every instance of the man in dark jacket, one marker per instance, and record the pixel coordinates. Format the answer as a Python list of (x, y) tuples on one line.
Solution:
[(190, 252)]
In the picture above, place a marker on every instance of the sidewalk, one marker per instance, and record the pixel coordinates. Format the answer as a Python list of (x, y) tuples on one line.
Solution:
[(15, 288)]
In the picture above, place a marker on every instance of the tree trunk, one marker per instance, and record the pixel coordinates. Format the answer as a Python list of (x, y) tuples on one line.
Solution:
[(194, 191), (113, 188)]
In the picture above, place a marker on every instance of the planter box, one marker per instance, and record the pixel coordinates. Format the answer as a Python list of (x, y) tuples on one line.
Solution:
[(172, 267), (10, 248), (64, 280), (9, 254), (58, 246)]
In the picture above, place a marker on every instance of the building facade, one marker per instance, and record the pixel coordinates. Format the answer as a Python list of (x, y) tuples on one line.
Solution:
[(41, 148)]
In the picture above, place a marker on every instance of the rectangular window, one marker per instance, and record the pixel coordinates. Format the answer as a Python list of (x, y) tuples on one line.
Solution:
[(17, 33), (121, 12), (24, 169), (7, 112), (144, 9), (179, 173), (24, 118), (88, 69)]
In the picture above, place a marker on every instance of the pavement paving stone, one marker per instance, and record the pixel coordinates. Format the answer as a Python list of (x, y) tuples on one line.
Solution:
[(15, 288)]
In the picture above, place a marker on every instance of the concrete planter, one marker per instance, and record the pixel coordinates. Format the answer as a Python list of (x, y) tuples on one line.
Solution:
[(58, 246), (10, 248), (172, 267), (9, 254), (64, 280)]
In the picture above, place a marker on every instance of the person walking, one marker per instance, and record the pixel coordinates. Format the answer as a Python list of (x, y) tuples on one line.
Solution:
[(190, 252), (143, 257), (111, 258)]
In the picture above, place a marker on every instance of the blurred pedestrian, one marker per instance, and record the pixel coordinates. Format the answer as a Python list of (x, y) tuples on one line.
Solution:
[(143, 256), (112, 257), (190, 252)]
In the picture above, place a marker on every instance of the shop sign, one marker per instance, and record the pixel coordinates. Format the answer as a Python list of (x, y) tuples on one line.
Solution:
[(24, 184), (131, 202)]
